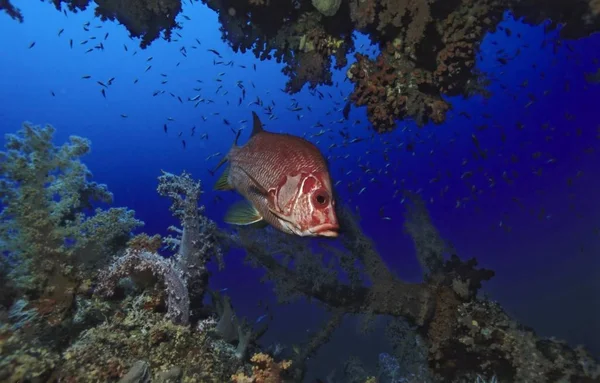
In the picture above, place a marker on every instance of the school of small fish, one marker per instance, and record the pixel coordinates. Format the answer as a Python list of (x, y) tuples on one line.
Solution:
[(335, 131)]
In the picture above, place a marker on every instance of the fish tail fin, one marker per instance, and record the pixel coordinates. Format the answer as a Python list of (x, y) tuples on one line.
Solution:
[(242, 213), (257, 126), (223, 181)]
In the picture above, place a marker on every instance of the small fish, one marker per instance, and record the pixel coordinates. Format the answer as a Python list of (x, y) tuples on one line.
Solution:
[(285, 180), (31, 45), (346, 110), (215, 52)]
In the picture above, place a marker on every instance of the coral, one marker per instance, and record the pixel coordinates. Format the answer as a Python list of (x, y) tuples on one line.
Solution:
[(309, 68), (145, 19), (53, 237), (185, 274), (197, 240), (166, 270), (434, 45), (435, 42), (11, 10), (23, 360), (52, 326), (578, 19), (264, 370), (142, 18), (143, 242), (392, 87), (484, 332), (109, 351)]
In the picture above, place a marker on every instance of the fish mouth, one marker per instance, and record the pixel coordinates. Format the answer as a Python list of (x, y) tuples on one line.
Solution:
[(326, 230)]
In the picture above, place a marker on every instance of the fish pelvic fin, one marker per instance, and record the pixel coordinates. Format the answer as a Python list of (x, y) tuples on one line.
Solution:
[(257, 126), (223, 181), (242, 213)]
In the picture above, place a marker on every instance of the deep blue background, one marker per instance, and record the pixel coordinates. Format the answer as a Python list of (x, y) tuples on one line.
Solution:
[(539, 234)]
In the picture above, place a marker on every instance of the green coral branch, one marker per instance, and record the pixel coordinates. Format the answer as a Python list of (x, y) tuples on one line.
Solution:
[(47, 226)]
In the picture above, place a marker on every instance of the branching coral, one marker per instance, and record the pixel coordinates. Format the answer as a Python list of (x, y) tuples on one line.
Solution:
[(52, 237), (53, 241), (133, 263), (196, 240), (185, 275), (52, 326)]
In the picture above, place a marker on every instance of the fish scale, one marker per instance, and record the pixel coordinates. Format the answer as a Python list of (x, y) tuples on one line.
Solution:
[(287, 157)]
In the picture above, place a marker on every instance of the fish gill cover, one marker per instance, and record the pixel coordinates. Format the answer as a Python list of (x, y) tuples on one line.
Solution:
[(478, 139)]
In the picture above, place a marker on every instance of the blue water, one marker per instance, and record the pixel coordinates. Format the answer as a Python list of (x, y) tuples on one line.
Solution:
[(539, 233)]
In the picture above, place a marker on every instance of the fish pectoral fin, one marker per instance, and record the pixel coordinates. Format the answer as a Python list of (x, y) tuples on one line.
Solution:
[(223, 181), (242, 213)]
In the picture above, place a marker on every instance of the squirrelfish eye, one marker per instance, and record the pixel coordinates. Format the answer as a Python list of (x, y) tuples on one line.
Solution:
[(321, 198)]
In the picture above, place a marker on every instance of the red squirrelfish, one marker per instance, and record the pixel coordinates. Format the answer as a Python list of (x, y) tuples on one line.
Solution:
[(285, 181)]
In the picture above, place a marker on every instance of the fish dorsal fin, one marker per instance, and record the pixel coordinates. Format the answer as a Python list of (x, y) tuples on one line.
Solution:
[(242, 213), (223, 181), (257, 126)]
